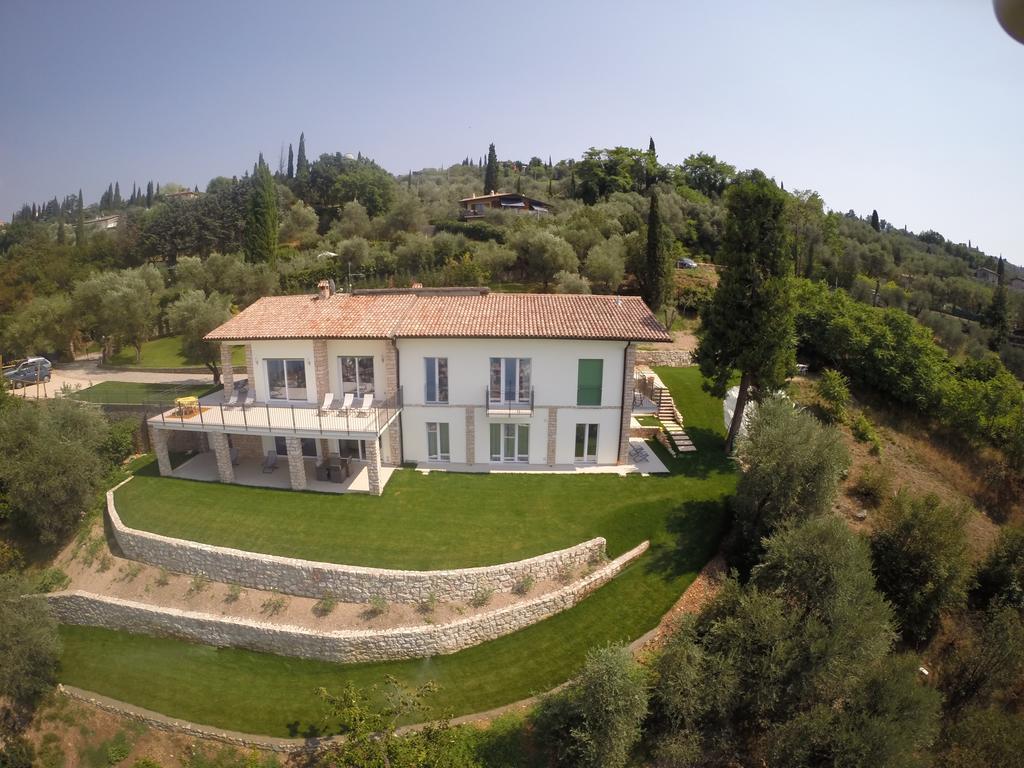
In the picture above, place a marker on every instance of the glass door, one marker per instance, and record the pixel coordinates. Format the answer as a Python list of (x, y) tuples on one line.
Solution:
[(356, 375), (586, 443), (510, 443)]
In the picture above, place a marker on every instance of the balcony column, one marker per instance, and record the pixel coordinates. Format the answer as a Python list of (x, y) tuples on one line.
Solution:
[(250, 370), (296, 463), (158, 443), (320, 369), (552, 434), (227, 368), (373, 467), (391, 390), (628, 372), (222, 451)]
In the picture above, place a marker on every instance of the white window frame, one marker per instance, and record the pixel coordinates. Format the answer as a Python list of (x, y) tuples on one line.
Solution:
[(435, 379), (516, 433), (287, 388), (522, 375), (440, 431), (591, 435)]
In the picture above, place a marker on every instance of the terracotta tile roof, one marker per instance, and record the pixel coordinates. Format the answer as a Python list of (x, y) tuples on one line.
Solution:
[(491, 315)]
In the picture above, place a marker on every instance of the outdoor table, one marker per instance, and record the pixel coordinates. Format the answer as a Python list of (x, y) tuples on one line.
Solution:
[(187, 406)]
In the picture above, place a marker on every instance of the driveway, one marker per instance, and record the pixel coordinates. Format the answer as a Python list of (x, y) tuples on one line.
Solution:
[(84, 373)]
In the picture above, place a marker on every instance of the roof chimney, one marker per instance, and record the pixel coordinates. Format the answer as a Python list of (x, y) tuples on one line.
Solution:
[(324, 288)]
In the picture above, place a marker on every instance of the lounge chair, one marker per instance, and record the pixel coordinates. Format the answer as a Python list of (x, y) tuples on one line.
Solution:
[(328, 402), (233, 400), (364, 406), (346, 402), (250, 398), (270, 462)]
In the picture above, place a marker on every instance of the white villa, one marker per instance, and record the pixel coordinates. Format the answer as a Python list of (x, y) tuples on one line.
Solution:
[(447, 378)]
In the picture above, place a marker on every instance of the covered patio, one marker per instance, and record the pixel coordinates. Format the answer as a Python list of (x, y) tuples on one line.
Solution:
[(249, 471)]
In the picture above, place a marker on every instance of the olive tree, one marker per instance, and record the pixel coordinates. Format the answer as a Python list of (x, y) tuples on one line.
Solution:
[(29, 644), (193, 316)]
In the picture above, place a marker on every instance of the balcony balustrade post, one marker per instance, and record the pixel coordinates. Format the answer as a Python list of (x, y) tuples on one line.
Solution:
[(293, 419), (267, 406), (245, 419)]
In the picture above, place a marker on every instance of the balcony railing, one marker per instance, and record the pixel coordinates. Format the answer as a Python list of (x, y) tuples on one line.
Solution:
[(508, 407), (281, 418)]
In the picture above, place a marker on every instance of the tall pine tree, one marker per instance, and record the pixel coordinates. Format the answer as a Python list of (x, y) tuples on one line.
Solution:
[(116, 199), (301, 163), (654, 278), (261, 222), (80, 222), (291, 163), (875, 224), (998, 314), (149, 195), (749, 325), (491, 171)]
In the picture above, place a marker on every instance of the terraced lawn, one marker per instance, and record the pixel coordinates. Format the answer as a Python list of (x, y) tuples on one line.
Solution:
[(165, 352), (441, 520), (133, 393)]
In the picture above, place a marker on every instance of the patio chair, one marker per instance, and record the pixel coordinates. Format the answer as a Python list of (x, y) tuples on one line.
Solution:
[(328, 402), (250, 398), (364, 406), (346, 402), (270, 462), (233, 400)]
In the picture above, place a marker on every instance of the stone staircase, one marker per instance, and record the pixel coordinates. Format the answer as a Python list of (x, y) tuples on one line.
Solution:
[(672, 420)]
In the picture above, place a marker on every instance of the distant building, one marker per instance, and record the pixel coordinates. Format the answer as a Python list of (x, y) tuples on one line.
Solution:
[(185, 194), (1017, 283), (477, 206), (104, 222), (986, 275)]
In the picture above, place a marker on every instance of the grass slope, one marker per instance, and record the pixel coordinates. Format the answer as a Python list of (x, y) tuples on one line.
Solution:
[(165, 352), (682, 514), (132, 393)]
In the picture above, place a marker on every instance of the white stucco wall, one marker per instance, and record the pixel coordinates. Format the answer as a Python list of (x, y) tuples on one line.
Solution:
[(261, 350), (554, 372), (356, 348)]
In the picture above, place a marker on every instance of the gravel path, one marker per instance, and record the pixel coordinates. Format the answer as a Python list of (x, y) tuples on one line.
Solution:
[(85, 373)]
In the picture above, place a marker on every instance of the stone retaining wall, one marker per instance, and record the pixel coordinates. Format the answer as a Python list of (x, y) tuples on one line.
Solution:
[(347, 583), (345, 646), (675, 358)]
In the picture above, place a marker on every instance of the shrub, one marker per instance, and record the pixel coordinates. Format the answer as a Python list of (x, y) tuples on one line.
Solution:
[(29, 642), (10, 558), (145, 762), (595, 721), (106, 563), (524, 585), (793, 465), (378, 606), (324, 606), (874, 484), (120, 441), (1001, 576), (864, 432), (919, 549), (51, 580), (234, 593), (481, 597), (118, 748), (197, 585), (428, 605), (130, 572), (273, 605), (834, 390), (564, 573), (163, 578)]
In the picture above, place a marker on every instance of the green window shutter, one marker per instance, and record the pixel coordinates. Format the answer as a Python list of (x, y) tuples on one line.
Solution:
[(588, 389)]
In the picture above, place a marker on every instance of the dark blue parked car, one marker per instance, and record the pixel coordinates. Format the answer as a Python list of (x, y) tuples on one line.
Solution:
[(28, 372)]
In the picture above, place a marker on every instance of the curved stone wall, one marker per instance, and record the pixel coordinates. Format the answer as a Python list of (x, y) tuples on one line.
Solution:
[(347, 583), (348, 646)]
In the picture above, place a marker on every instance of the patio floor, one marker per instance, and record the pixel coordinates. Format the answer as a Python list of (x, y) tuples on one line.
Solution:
[(652, 465), (249, 471)]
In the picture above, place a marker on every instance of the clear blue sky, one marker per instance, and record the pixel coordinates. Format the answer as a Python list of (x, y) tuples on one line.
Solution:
[(913, 107)]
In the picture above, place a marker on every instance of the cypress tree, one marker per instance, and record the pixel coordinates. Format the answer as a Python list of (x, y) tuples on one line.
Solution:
[(80, 223), (291, 163), (998, 314), (549, 188), (261, 221), (491, 172), (572, 184), (301, 163), (60, 230), (875, 225), (409, 184), (519, 183), (654, 279), (149, 195), (116, 198)]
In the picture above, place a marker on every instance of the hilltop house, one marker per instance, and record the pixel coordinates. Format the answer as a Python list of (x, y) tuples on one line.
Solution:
[(477, 206), (440, 377), (986, 275)]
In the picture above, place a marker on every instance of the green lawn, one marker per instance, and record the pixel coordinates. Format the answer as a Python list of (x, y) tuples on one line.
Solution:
[(131, 393), (165, 352), (682, 514)]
